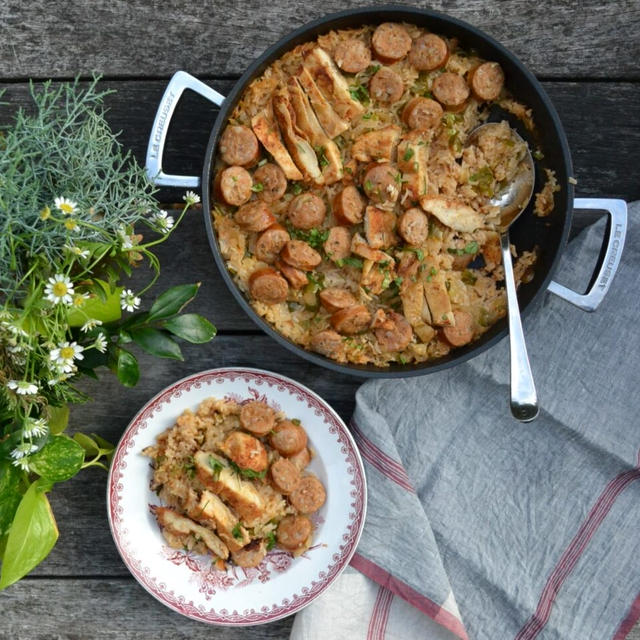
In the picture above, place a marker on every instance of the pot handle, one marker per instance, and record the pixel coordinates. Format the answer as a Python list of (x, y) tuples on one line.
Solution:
[(614, 242), (155, 149)]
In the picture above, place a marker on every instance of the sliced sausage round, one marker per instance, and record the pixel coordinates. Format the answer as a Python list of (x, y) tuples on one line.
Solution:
[(257, 417), (268, 286), (309, 495), (329, 344), (251, 555), (395, 334), (391, 42), (381, 183), (462, 332), (306, 211), (293, 532), (450, 90), (297, 278), (272, 180), (239, 145), (302, 458), (352, 320), (246, 451), (338, 243), (270, 242), (429, 52), (334, 298), (233, 185), (413, 226), (285, 475), (299, 254), (487, 81), (352, 55), (348, 206), (422, 114), (288, 438), (254, 216), (386, 86)]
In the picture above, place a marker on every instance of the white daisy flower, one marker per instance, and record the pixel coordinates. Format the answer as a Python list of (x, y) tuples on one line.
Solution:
[(23, 449), (191, 198), (71, 224), (79, 299), (164, 221), (129, 301), (100, 343), (92, 323), (59, 289), (77, 251), (22, 387), (65, 205), (125, 238), (35, 427), (64, 355), (21, 463)]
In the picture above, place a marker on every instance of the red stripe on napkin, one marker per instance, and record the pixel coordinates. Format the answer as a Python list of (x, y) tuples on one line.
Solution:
[(627, 624), (380, 615)]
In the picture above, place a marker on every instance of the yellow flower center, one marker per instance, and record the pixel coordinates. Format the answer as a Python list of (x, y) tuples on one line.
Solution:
[(45, 213), (70, 224), (66, 208), (67, 353), (78, 301), (60, 289)]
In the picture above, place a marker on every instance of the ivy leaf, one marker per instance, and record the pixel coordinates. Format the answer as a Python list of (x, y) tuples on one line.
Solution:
[(60, 459), (191, 327), (10, 494), (127, 368), (32, 536), (170, 302), (58, 419), (156, 343)]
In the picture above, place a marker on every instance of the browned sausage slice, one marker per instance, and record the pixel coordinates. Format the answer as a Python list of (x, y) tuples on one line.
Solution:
[(239, 145), (413, 226), (394, 335), (381, 183), (293, 532), (288, 438), (271, 181), (270, 243), (306, 211), (246, 451), (309, 495), (300, 255), (268, 286), (386, 86), (352, 320), (429, 52), (422, 114), (285, 475), (462, 332), (257, 417), (352, 55), (254, 216), (338, 243), (390, 42), (251, 555), (450, 90), (233, 185), (334, 298), (378, 227), (348, 206), (486, 81), (330, 344), (297, 279), (303, 458)]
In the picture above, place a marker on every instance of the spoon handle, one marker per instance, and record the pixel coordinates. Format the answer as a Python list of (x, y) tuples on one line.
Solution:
[(524, 399)]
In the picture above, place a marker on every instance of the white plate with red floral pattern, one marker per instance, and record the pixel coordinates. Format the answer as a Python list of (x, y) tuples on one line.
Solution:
[(281, 584)]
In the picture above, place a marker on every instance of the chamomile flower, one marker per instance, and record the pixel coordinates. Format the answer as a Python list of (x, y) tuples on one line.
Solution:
[(129, 301), (35, 427), (22, 387), (23, 449), (125, 238), (59, 289), (21, 463), (164, 221), (77, 251), (100, 343), (65, 205), (191, 198), (79, 299), (92, 323), (45, 213), (71, 224), (64, 355)]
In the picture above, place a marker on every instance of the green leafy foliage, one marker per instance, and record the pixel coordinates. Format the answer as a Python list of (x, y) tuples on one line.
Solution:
[(127, 368), (60, 459), (172, 301), (10, 494), (191, 327), (157, 343)]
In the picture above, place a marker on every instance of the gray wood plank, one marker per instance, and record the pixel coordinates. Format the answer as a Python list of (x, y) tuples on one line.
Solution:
[(136, 38)]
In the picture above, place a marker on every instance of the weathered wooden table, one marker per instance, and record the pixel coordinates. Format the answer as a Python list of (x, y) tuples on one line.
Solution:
[(586, 54)]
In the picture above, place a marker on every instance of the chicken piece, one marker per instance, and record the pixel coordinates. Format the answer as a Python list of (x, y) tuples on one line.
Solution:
[(379, 228), (436, 295), (182, 527), (267, 132), (413, 158), (375, 277), (331, 122), (412, 296), (376, 145), (360, 247), (212, 509), (452, 213)]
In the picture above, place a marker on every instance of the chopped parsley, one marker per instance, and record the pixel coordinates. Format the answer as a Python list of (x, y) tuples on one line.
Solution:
[(316, 280), (367, 116), (248, 473), (419, 254), (216, 466), (408, 154), (402, 359), (538, 155), (470, 249), (189, 467), (314, 237), (270, 539), (236, 532), (482, 181), (432, 272), (398, 281), (386, 281), (257, 187), (368, 185), (322, 158), (296, 188), (350, 262), (468, 277), (360, 93), (296, 422)]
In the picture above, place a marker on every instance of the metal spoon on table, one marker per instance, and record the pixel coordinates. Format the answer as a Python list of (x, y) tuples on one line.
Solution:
[(513, 200)]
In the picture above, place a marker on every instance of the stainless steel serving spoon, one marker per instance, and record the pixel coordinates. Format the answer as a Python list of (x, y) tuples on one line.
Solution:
[(513, 200)]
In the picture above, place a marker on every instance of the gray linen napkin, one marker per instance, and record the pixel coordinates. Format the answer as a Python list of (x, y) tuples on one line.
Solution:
[(496, 529)]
